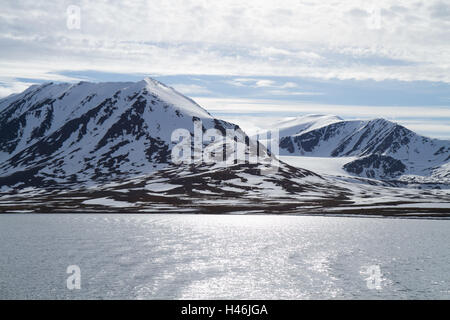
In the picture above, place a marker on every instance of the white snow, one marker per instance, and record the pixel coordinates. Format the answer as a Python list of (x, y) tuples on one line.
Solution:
[(296, 125), (161, 187), (166, 110), (109, 202), (426, 159), (320, 165)]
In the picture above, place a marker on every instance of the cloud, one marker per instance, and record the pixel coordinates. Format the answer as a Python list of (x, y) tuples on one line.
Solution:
[(255, 114), (189, 89), (270, 87), (440, 10), (228, 38), (252, 124), (260, 83), (264, 83), (289, 85), (279, 92), (356, 12), (12, 87), (232, 105), (277, 53)]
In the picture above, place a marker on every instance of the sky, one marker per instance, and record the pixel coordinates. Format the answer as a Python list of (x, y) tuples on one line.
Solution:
[(250, 62)]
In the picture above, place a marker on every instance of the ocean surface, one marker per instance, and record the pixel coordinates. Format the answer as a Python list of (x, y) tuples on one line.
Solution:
[(132, 256)]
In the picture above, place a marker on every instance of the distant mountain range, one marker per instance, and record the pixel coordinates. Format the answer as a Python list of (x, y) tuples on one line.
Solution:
[(380, 149), (107, 147)]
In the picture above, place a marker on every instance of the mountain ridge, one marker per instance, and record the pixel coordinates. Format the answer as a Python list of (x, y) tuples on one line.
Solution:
[(51, 129), (418, 155), (107, 147)]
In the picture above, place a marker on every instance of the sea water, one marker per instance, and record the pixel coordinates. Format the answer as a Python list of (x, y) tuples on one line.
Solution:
[(144, 256)]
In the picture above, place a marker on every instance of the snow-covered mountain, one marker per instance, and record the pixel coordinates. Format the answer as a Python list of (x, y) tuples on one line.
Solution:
[(59, 133), (296, 125), (106, 147), (240, 188), (380, 149), (63, 139)]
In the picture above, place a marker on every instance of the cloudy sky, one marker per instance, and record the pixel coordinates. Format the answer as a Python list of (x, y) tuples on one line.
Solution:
[(246, 60)]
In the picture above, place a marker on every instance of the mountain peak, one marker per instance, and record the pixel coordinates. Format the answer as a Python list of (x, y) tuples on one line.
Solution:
[(152, 82), (296, 125), (60, 132), (383, 144)]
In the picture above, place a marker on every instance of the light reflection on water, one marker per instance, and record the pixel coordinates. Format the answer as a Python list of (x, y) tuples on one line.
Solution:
[(133, 256)]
